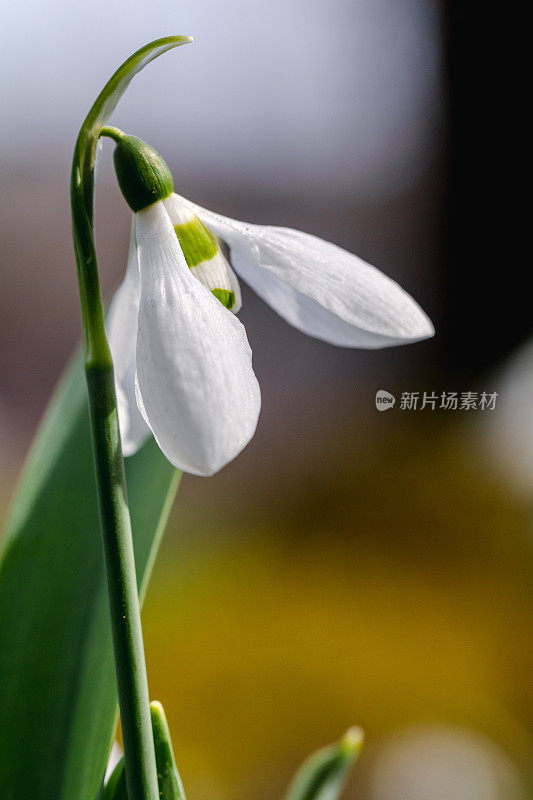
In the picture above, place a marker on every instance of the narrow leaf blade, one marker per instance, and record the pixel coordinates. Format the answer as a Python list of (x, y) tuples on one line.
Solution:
[(170, 785), (59, 704), (323, 775)]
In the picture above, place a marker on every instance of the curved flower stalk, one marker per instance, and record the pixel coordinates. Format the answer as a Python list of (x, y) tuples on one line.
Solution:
[(182, 359), (113, 505)]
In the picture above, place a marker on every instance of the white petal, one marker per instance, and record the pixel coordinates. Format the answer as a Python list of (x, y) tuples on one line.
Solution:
[(318, 287), (121, 327), (195, 383)]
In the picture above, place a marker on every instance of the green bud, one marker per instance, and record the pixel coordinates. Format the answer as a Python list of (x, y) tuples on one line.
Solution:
[(143, 176)]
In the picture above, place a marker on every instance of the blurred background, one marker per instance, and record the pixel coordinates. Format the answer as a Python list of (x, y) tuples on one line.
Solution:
[(350, 567)]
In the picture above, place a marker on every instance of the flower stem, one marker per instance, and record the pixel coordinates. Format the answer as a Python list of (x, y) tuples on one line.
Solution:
[(112, 133), (130, 666), (139, 756)]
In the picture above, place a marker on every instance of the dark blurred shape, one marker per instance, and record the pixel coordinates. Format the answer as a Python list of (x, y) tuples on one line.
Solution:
[(487, 306)]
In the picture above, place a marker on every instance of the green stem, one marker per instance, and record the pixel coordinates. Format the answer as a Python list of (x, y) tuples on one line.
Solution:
[(112, 133), (139, 756)]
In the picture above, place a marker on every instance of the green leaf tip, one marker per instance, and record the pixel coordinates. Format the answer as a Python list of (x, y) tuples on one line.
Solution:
[(323, 775), (170, 785), (178, 39), (352, 741), (168, 779)]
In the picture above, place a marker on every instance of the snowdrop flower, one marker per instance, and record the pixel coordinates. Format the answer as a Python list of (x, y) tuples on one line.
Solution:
[(183, 365)]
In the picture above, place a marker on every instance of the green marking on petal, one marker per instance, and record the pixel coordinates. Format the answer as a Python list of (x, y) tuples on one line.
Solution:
[(196, 241), (226, 297)]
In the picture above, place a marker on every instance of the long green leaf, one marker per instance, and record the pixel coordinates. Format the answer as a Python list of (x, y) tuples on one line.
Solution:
[(323, 775), (58, 703)]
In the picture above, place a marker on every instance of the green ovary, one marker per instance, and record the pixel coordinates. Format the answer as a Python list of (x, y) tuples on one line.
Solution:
[(226, 297), (197, 242)]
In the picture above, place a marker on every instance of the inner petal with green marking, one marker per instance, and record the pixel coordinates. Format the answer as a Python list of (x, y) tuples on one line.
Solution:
[(205, 258), (226, 297), (197, 242)]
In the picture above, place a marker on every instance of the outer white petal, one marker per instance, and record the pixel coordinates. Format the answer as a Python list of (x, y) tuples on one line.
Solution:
[(318, 287), (121, 327), (195, 384)]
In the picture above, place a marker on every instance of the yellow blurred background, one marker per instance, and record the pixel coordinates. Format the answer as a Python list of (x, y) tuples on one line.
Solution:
[(386, 585)]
